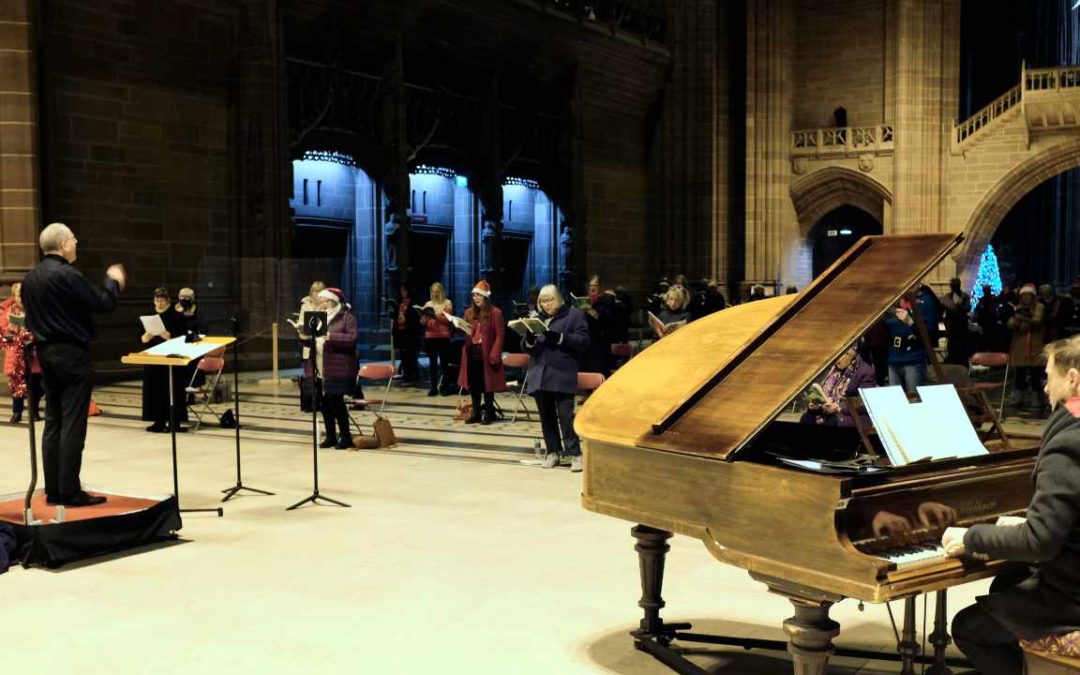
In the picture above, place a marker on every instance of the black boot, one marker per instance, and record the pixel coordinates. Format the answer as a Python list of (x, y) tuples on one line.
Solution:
[(487, 415), (476, 413), (329, 441)]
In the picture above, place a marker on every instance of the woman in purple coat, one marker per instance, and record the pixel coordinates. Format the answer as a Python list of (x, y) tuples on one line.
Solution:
[(552, 377), (336, 363), (845, 378)]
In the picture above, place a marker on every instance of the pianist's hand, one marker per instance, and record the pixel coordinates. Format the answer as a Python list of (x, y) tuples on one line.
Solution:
[(891, 526), (953, 541), (935, 515)]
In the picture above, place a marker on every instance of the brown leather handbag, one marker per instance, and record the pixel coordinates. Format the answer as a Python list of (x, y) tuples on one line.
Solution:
[(384, 431)]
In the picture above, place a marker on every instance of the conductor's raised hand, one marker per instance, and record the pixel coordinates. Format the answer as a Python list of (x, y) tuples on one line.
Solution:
[(117, 273)]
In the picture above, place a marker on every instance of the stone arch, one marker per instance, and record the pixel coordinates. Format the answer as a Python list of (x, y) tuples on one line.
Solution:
[(822, 191), (996, 203)]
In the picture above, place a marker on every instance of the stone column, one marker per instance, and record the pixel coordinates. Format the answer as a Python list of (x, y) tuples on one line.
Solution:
[(772, 229), (20, 201), (927, 65)]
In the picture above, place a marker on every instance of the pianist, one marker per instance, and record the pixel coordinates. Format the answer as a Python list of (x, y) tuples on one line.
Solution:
[(1045, 600)]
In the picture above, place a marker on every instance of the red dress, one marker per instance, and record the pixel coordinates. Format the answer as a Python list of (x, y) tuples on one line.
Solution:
[(490, 331)]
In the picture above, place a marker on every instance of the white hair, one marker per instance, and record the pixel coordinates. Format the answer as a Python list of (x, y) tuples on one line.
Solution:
[(53, 237), (551, 291)]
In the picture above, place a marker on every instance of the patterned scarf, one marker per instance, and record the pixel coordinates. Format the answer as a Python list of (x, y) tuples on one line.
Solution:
[(16, 355)]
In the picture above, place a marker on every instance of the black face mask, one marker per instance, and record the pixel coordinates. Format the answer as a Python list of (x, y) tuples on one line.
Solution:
[(187, 303)]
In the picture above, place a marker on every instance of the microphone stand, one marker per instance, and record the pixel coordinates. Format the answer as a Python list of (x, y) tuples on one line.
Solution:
[(231, 492), (315, 404)]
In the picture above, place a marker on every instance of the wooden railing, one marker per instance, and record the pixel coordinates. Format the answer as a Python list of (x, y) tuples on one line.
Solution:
[(842, 140)]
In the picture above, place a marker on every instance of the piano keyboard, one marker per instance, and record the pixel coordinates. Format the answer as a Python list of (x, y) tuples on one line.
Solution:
[(914, 555)]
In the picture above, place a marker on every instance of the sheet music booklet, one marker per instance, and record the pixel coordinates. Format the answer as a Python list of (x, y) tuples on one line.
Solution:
[(937, 427), (528, 326)]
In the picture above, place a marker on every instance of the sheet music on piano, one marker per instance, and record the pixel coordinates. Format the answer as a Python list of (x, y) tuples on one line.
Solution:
[(936, 427)]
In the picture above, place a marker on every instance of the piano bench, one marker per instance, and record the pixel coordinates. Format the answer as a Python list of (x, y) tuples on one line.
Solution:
[(1052, 655)]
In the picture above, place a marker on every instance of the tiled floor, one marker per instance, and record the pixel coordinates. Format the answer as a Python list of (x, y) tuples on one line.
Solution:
[(455, 557)]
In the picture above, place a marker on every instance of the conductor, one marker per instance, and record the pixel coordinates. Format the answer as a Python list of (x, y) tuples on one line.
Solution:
[(59, 305)]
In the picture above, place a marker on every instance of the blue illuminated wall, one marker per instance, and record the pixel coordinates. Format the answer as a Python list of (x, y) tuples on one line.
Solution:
[(324, 191), (530, 215)]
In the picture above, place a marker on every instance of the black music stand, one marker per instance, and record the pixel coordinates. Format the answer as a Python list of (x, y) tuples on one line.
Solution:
[(232, 492), (315, 325)]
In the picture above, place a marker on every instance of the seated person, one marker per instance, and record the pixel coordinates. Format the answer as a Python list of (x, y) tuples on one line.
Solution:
[(850, 373), (1044, 598)]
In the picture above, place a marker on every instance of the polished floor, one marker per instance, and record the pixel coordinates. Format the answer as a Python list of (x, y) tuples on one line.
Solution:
[(456, 556)]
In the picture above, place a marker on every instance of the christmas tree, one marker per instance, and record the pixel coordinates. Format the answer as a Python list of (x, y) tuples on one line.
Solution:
[(989, 275)]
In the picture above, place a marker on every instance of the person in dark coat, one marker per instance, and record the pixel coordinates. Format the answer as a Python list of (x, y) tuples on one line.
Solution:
[(957, 307), (602, 318), (155, 385), (336, 366), (552, 376), (59, 304), (482, 370), (407, 334), (1044, 599), (194, 324)]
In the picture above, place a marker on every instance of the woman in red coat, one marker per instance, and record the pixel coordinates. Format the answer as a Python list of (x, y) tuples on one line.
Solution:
[(481, 357)]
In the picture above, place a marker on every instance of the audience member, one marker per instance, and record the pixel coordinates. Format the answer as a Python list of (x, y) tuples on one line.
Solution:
[(1025, 352), (850, 373), (711, 300), (15, 337), (437, 330), (335, 367), (552, 376), (1053, 313), (601, 318), (155, 386), (481, 357), (1071, 322), (907, 351), (957, 305), (757, 292), (674, 303), (406, 334)]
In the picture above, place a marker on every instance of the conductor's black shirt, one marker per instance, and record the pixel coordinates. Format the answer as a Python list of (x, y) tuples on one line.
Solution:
[(60, 302)]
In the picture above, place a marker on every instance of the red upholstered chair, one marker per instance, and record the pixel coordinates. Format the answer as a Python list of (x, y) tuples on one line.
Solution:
[(589, 382), (211, 366), (517, 387), (984, 362), (375, 372)]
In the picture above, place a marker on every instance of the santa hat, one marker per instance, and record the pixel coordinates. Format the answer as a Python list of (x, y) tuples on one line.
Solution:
[(483, 288), (334, 294), (1028, 288)]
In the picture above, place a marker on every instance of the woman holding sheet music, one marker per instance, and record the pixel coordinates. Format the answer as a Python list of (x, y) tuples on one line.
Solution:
[(155, 390), (552, 377), (481, 357), (437, 329)]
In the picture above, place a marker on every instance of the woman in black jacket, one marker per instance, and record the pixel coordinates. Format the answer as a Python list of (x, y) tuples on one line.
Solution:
[(155, 389), (552, 376)]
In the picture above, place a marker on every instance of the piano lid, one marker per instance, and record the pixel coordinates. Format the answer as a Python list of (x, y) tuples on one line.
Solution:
[(710, 387)]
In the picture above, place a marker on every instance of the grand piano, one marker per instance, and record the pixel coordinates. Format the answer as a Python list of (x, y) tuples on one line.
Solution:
[(685, 439)]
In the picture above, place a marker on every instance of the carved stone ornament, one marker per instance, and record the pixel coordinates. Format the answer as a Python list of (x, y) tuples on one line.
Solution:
[(866, 163), (799, 165)]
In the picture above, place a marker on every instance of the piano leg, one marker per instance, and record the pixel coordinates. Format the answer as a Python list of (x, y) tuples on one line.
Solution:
[(909, 641), (651, 548), (810, 633), (940, 637)]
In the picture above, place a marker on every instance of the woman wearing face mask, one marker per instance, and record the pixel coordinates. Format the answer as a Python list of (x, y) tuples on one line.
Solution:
[(552, 378), (155, 398), (194, 324), (481, 357)]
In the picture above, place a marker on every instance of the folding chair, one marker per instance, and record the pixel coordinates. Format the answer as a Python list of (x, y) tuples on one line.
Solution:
[(982, 362), (377, 371), (210, 366), (589, 382), (520, 362)]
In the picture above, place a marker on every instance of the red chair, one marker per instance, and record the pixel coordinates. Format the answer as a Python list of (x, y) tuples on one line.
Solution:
[(589, 382), (520, 362), (984, 361), (211, 366), (375, 372)]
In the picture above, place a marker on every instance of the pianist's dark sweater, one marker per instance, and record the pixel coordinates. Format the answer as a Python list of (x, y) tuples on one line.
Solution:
[(1049, 600)]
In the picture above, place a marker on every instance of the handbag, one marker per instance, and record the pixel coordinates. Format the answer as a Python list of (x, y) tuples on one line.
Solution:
[(463, 410), (362, 442), (384, 431)]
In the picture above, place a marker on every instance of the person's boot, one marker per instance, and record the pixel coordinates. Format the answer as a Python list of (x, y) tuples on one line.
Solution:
[(487, 415), (434, 391), (16, 417), (329, 441)]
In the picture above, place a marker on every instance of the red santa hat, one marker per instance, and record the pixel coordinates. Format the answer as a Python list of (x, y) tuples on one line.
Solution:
[(334, 294), (483, 288), (1028, 288)]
